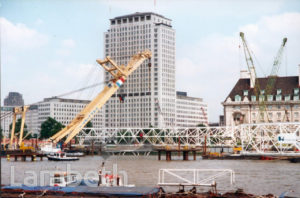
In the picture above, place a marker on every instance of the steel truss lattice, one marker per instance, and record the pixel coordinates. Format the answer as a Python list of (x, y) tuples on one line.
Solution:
[(277, 138)]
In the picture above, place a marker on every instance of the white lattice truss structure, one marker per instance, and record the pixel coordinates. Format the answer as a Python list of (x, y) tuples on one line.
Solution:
[(272, 138)]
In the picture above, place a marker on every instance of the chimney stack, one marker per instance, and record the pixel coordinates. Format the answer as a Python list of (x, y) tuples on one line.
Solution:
[(244, 74)]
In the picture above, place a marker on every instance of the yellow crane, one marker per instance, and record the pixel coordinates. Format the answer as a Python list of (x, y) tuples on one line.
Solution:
[(119, 75), (16, 111)]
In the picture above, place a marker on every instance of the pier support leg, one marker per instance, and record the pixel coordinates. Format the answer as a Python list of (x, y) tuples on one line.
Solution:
[(185, 155), (16, 158), (194, 154), (33, 158), (159, 155), (93, 147), (168, 155), (24, 158)]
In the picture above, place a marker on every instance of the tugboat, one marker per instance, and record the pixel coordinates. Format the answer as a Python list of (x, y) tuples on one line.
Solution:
[(60, 156)]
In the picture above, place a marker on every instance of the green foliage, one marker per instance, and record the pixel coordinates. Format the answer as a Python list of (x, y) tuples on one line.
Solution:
[(200, 125), (89, 125), (18, 129), (49, 127)]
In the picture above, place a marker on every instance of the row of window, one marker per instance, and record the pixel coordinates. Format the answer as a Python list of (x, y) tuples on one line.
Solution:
[(269, 98)]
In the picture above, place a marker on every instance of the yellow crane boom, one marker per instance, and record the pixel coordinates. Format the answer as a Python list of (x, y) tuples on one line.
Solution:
[(16, 111), (119, 74)]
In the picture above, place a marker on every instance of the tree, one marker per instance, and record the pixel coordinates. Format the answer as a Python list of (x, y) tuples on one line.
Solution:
[(89, 125), (49, 127), (18, 129), (201, 125)]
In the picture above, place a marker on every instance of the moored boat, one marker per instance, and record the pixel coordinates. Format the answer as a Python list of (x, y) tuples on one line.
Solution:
[(60, 156)]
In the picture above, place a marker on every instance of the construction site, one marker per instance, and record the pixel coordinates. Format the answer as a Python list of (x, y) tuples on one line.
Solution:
[(261, 122)]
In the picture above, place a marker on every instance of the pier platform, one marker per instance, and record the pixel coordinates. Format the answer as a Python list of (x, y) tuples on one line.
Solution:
[(169, 150)]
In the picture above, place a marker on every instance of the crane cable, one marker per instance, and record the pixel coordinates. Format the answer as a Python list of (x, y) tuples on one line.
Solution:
[(80, 90)]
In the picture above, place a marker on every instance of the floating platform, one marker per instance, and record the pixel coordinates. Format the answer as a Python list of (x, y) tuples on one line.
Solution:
[(79, 191)]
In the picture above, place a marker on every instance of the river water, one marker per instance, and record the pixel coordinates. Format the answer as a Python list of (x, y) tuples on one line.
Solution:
[(254, 176)]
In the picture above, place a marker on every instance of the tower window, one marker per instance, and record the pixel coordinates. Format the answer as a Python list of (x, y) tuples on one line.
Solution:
[(237, 98), (287, 97), (278, 91), (270, 98)]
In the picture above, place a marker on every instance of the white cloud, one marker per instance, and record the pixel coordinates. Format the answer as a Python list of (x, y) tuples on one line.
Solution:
[(39, 22), (210, 68), (68, 43), (15, 37), (66, 47)]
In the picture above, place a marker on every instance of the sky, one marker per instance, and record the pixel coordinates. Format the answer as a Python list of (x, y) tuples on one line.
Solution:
[(49, 47)]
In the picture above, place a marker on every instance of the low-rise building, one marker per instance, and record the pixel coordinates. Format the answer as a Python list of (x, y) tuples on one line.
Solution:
[(65, 110), (190, 111), (282, 104)]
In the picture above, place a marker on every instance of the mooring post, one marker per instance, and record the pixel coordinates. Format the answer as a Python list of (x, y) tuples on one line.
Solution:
[(93, 147), (159, 153)]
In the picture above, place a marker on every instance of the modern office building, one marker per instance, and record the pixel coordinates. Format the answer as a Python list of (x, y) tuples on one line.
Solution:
[(64, 111), (190, 111), (32, 121), (14, 99), (6, 119), (150, 90), (242, 105)]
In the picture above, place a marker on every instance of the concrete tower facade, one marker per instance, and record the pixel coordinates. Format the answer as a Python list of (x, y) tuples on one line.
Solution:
[(148, 98)]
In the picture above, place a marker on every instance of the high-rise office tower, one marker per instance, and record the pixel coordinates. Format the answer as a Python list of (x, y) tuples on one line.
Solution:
[(14, 99), (148, 98)]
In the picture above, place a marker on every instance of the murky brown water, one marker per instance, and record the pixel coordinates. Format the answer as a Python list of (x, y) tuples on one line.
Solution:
[(254, 176)]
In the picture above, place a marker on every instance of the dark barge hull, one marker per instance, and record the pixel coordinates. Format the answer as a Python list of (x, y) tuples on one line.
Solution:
[(294, 160), (79, 191)]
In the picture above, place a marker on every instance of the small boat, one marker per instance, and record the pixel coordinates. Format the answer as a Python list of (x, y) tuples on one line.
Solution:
[(60, 156), (63, 179)]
